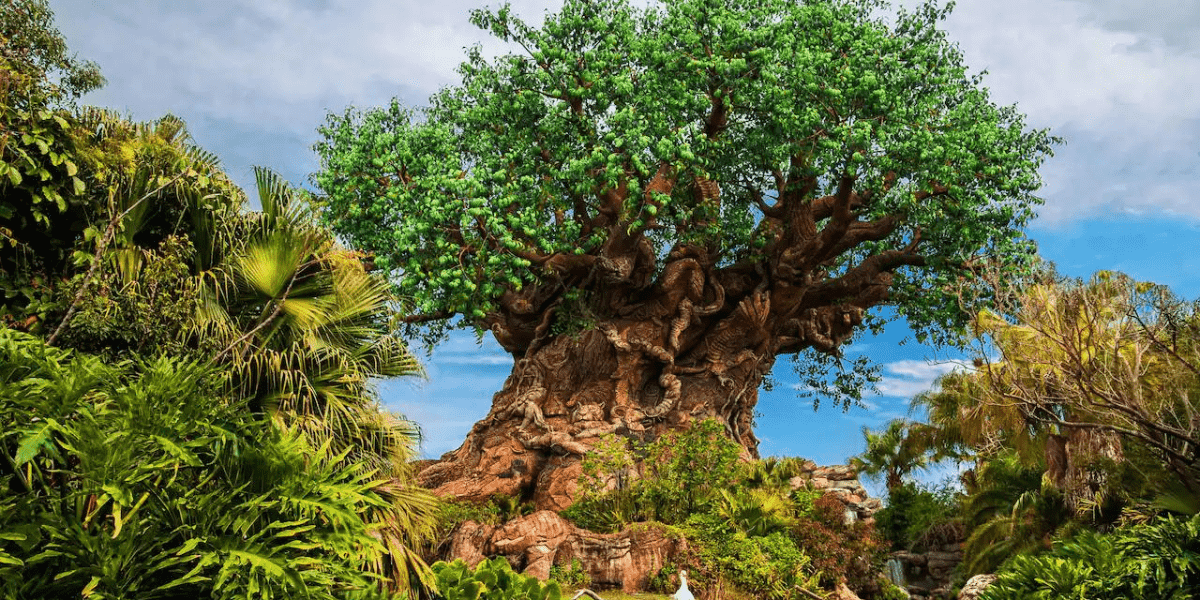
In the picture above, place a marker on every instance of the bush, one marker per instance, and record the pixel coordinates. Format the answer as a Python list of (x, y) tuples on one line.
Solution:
[(840, 552), (490, 580), (913, 511), (683, 473), (571, 576), (1159, 561), (768, 566), (144, 481)]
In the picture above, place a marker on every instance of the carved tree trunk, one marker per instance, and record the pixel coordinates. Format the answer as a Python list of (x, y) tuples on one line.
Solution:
[(618, 378), (699, 347), (665, 346)]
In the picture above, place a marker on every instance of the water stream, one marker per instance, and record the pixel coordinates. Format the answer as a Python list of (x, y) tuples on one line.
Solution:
[(895, 572)]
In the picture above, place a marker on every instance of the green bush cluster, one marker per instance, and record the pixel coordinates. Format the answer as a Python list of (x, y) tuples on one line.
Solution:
[(145, 480), (683, 472), (492, 579), (913, 510), (1159, 561), (768, 566), (746, 528), (573, 575)]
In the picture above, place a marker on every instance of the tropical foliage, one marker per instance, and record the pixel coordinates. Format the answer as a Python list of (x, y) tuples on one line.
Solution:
[(215, 409), (1079, 415), (892, 453), (919, 515), (492, 579), (1159, 561), (147, 480)]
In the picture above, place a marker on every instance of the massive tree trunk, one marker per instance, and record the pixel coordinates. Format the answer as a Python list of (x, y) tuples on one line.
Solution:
[(693, 345)]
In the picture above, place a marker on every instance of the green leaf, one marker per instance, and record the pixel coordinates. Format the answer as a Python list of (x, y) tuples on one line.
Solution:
[(29, 445), (90, 587)]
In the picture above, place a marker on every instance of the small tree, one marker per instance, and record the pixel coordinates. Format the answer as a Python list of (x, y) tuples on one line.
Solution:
[(1088, 365), (893, 453)]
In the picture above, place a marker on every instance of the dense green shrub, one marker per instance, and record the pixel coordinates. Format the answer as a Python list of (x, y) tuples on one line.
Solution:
[(767, 566), (1159, 561), (913, 510), (143, 480), (683, 474), (491, 579), (571, 575)]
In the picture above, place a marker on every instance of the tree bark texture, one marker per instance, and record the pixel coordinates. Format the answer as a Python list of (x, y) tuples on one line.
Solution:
[(668, 339)]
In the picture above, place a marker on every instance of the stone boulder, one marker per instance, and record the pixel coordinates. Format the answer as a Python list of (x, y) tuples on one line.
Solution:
[(975, 586), (534, 543), (840, 481)]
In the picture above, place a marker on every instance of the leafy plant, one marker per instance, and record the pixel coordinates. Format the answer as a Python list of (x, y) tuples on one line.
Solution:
[(573, 576), (769, 566), (686, 470), (683, 472), (491, 579), (1160, 560), (145, 480), (840, 552), (913, 510)]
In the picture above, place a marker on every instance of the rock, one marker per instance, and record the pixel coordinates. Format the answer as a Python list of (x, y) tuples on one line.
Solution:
[(543, 527), (844, 593), (975, 586), (469, 542), (557, 483), (941, 563), (536, 542), (848, 484), (909, 558)]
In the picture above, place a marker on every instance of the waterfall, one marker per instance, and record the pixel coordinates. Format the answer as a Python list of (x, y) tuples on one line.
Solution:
[(895, 572)]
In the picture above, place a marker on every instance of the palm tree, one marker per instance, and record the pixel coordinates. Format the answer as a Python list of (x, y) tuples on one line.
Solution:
[(306, 328), (1012, 511), (892, 453)]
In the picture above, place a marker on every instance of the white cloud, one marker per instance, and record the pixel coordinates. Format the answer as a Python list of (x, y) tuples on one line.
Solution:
[(475, 359), (1116, 79), (907, 378)]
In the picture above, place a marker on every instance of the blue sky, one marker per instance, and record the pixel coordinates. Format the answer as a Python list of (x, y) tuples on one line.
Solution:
[(1119, 80)]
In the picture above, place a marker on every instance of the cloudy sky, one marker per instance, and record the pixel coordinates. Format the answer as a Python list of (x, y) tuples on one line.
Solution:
[(1120, 80)]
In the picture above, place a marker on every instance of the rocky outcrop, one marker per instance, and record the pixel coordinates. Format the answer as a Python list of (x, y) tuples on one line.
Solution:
[(627, 559), (975, 586), (927, 575), (841, 481), (536, 542)]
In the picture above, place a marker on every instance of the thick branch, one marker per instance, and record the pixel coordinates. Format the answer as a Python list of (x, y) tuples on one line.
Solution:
[(861, 277)]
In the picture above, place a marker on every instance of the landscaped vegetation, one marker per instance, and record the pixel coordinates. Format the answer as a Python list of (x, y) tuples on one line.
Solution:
[(748, 529), (187, 400), (184, 383), (1078, 437)]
